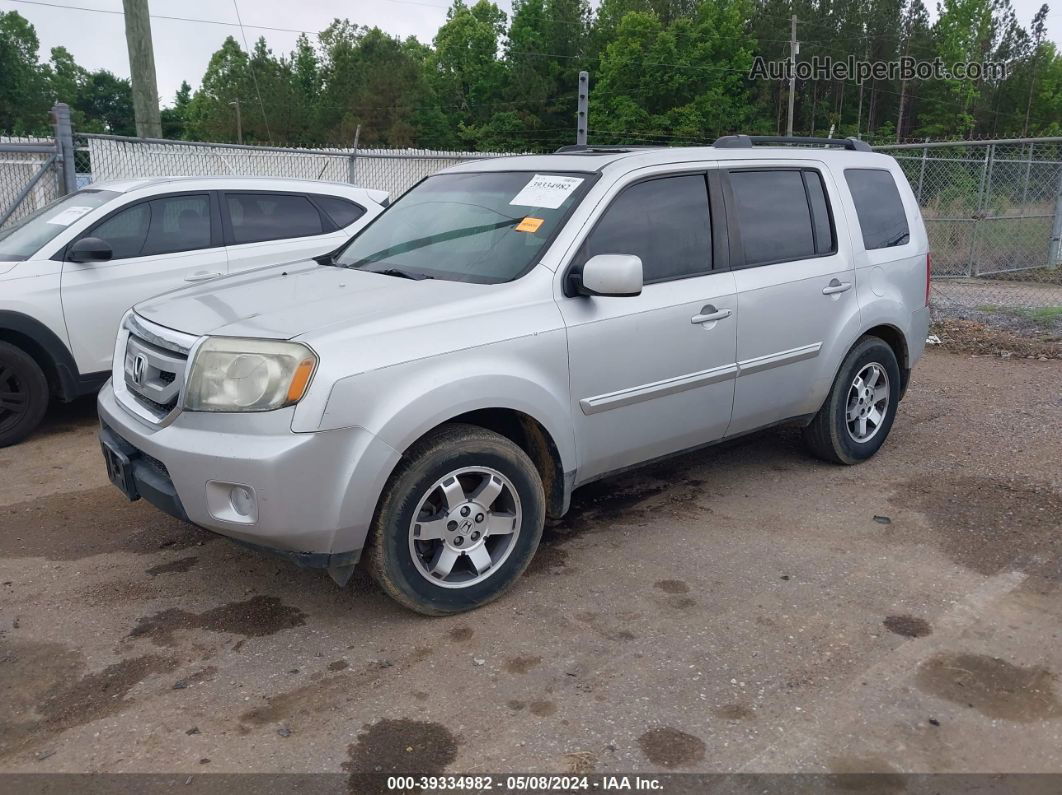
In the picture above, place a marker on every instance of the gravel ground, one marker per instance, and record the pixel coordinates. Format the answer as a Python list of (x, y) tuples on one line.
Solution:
[(741, 609)]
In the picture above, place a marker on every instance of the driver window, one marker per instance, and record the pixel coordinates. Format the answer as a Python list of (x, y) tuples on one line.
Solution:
[(663, 221), (125, 231)]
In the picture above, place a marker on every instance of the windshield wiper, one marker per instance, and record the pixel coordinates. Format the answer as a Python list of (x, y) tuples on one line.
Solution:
[(401, 273)]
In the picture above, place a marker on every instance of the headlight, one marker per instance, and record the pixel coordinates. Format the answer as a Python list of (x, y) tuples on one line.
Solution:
[(232, 374)]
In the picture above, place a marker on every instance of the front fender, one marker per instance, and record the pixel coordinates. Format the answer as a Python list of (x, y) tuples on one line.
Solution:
[(400, 403)]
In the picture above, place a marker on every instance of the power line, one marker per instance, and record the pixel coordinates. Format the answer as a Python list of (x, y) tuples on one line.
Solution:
[(198, 20), (250, 65)]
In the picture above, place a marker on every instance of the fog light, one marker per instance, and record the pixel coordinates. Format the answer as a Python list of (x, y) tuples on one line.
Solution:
[(232, 502), (242, 500)]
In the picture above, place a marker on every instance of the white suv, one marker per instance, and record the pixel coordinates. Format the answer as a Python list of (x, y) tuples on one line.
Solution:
[(511, 329), (70, 271)]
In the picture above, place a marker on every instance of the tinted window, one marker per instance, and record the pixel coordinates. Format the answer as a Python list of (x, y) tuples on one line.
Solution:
[(773, 214), (271, 216), (178, 223), (878, 205), (663, 221), (125, 231), (820, 213), (343, 212)]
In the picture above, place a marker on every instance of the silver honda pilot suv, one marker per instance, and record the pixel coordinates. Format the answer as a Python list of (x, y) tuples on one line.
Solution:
[(511, 329)]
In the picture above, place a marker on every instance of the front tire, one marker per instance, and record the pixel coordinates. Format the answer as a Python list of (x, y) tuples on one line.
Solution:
[(458, 522), (858, 413), (23, 394)]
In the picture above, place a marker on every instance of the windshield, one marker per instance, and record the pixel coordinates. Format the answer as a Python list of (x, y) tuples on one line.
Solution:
[(486, 227), (25, 237)]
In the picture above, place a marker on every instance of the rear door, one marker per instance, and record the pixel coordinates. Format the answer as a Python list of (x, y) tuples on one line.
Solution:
[(159, 244), (272, 227), (794, 274), (653, 373)]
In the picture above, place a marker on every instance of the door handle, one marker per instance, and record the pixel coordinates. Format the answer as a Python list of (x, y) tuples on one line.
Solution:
[(835, 287), (708, 314), (202, 277)]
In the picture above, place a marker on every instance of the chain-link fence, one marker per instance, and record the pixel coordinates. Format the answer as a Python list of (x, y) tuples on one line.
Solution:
[(993, 210), (28, 177), (106, 157)]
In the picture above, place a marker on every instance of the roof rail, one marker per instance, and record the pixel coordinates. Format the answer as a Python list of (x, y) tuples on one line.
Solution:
[(570, 148), (748, 141)]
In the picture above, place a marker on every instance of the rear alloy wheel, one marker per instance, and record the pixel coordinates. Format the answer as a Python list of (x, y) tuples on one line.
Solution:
[(858, 413), (23, 394), (458, 522)]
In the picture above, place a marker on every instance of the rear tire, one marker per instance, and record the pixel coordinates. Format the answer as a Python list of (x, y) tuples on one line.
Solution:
[(858, 414), (23, 394), (458, 522)]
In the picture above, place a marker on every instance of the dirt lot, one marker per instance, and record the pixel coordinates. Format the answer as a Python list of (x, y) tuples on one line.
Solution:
[(741, 609)]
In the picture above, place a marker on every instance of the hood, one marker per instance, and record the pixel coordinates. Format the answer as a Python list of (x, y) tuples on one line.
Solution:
[(6, 265), (285, 301)]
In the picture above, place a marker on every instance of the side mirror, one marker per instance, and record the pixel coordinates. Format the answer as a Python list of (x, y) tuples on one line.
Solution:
[(611, 274), (90, 249)]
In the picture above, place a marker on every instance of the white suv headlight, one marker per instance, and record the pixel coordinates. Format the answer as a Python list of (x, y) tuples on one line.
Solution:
[(234, 374)]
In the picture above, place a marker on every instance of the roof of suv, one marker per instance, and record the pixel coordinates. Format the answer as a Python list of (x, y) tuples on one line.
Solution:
[(603, 159), (219, 182)]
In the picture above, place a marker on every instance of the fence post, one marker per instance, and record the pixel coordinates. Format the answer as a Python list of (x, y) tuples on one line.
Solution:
[(1054, 253), (1028, 174), (980, 206), (64, 147), (352, 166), (922, 171)]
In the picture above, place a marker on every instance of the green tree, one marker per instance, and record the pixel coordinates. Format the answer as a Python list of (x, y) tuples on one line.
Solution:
[(24, 100)]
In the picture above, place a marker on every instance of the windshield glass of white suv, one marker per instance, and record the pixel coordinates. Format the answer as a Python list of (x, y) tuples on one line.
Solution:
[(25, 237), (486, 227)]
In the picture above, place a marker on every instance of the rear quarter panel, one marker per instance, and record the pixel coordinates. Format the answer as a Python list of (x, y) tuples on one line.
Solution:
[(891, 282)]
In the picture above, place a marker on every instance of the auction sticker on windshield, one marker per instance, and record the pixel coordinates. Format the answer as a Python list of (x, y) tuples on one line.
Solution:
[(546, 191), (69, 215)]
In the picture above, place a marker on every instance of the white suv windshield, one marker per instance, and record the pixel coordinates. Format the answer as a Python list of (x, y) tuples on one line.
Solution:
[(25, 237), (480, 226)]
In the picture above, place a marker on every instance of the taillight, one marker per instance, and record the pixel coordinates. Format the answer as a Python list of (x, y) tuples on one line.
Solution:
[(929, 274)]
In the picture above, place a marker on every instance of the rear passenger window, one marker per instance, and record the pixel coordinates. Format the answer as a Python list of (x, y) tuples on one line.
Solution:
[(271, 216), (178, 223), (879, 207), (663, 221), (783, 215), (343, 212), (820, 212)]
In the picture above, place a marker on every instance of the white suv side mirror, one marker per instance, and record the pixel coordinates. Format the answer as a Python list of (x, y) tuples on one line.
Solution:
[(611, 274)]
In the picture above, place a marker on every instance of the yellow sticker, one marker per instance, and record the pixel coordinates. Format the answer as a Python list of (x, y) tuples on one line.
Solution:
[(529, 224)]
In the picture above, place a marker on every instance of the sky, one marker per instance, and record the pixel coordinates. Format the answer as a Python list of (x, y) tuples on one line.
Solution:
[(182, 49)]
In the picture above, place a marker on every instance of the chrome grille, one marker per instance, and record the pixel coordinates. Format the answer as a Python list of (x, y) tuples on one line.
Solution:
[(149, 368)]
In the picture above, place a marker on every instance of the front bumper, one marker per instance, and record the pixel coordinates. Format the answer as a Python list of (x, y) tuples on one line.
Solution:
[(313, 494)]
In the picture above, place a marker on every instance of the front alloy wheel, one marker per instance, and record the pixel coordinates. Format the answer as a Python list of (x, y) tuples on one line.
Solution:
[(23, 394), (465, 527), (458, 522)]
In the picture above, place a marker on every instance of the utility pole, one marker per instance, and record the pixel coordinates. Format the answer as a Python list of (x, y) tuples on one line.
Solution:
[(794, 48), (142, 69), (239, 121), (584, 108)]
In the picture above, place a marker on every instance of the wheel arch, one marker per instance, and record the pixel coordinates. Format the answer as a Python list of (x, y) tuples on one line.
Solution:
[(45, 347), (895, 339)]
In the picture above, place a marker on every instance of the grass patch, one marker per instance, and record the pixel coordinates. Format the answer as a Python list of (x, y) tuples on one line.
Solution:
[(1032, 275), (1046, 316)]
